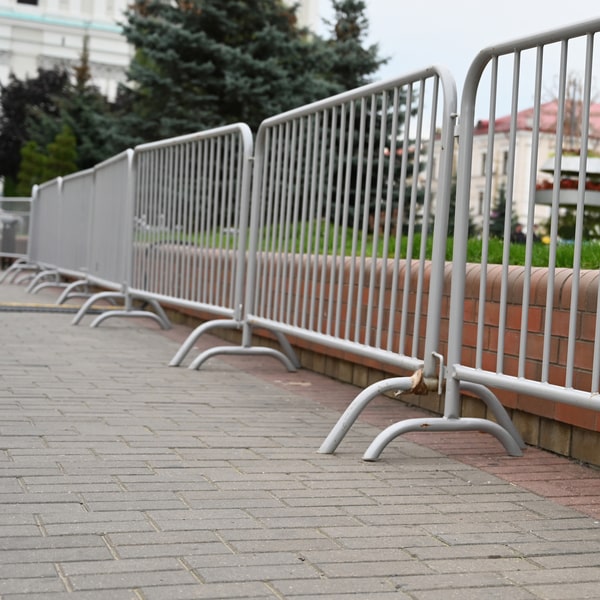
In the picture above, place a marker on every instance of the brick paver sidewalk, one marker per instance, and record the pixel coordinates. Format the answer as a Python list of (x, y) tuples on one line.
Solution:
[(122, 478)]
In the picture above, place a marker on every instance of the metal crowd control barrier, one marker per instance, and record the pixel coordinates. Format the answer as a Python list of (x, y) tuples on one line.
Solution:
[(70, 209), (111, 241), (26, 264), (515, 343), (341, 222), (191, 220), (44, 252), (14, 226)]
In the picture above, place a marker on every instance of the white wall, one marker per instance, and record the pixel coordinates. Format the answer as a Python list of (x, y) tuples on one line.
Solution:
[(52, 33)]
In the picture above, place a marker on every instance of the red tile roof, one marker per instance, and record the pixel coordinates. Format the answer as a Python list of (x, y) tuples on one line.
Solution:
[(548, 120)]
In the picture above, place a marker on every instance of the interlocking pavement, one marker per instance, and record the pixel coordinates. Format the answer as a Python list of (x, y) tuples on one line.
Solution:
[(123, 478)]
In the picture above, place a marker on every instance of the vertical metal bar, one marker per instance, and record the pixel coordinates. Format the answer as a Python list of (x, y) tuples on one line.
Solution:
[(304, 243), (295, 267), (316, 308), (336, 308), (346, 218), (554, 218), (420, 265), (531, 211), (583, 158), (409, 239), (358, 255), (383, 133), (366, 338), (485, 236), (508, 213), (393, 299)]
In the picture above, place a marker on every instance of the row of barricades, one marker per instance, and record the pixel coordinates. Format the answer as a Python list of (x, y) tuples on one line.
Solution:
[(331, 228)]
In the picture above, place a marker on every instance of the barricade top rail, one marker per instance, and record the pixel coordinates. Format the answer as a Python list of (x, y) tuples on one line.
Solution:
[(78, 175), (342, 213), (534, 167), (241, 129), (438, 71)]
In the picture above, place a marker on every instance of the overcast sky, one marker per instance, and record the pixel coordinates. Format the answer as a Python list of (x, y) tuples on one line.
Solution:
[(419, 33)]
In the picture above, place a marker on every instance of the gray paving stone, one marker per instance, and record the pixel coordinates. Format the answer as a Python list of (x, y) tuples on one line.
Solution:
[(215, 591), (130, 580), (31, 585), (123, 478)]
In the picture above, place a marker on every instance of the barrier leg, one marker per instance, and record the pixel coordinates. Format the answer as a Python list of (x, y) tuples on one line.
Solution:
[(159, 316), (90, 301), (441, 424), (239, 350), (492, 402), (287, 349), (69, 292), (341, 428), (19, 265), (43, 275), (196, 333), (46, 284), (130, 313)]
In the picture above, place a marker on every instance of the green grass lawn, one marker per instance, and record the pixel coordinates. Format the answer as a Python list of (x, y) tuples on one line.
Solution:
[(590, 254), (277, 241)]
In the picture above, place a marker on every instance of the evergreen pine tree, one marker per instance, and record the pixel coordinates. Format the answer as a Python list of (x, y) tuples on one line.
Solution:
[(353, 64), (32, 168), (61, 154), (18, 100), (498, 215), (81, 108), (204, 63)]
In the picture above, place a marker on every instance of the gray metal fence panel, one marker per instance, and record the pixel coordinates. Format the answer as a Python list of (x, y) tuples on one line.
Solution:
[(111, 222), (540, 313), (15, 215), (46, 223), (191, 219), (344, 210), (77, 195)]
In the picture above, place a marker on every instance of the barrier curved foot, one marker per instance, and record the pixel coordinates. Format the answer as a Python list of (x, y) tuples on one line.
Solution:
[(345, 422), (162, 315), (238, 350), (90, 301), (19, 265), (189, 342), (492, 402), (287, 349), (35, 282), (69, 292), (441, 424), (129, 313), (47, 284)]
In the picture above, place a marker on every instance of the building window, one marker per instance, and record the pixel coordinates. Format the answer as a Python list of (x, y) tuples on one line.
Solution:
[(505, 163), (483, 162), (34, 2)]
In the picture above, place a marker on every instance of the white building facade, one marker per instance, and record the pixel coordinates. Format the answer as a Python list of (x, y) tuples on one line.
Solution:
[(49, 33), (522, 170)]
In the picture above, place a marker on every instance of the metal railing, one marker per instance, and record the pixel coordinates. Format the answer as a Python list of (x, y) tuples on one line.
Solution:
[(343, 247), (513, 348), (14, 227), (111, 242), (192, 197)]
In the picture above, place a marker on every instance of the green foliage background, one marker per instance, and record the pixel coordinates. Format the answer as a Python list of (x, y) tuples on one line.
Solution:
[(198, 64)]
